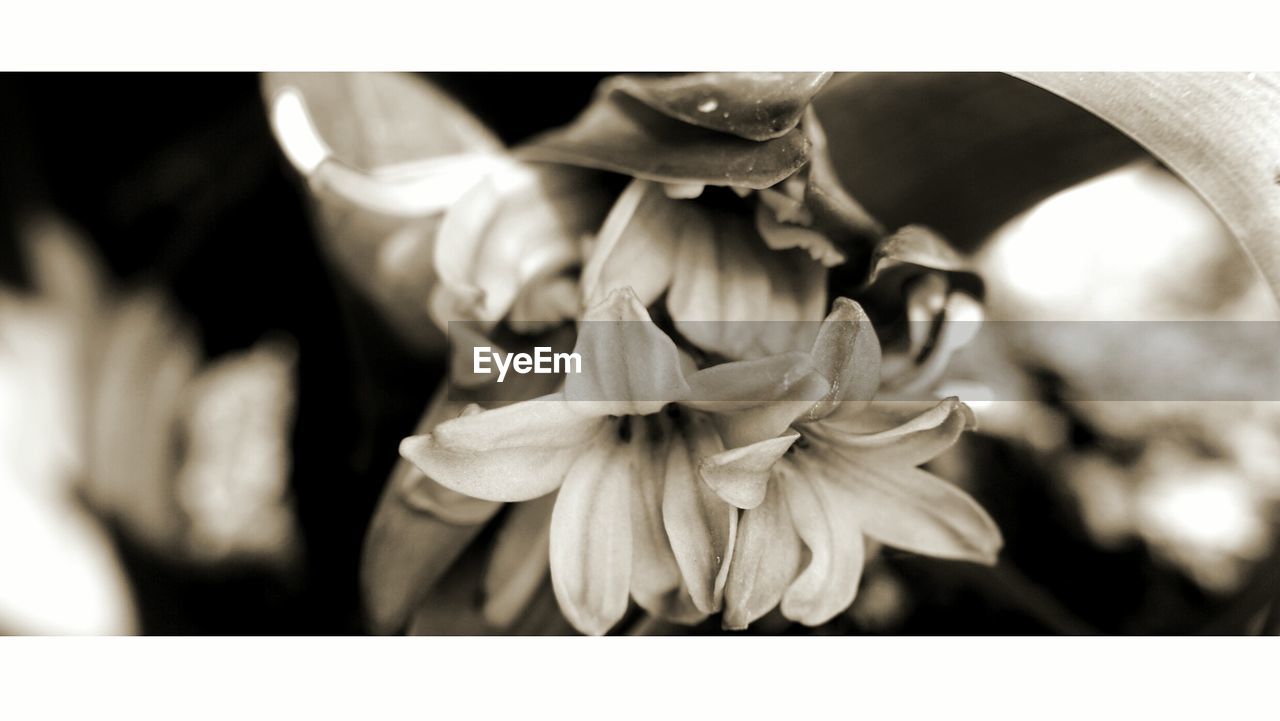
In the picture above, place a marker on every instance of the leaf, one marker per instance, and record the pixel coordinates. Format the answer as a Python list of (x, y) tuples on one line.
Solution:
[(755, 106), (1220, 132), (959, 152)]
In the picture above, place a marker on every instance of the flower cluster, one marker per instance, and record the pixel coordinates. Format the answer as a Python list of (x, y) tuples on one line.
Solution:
[(745, 327)]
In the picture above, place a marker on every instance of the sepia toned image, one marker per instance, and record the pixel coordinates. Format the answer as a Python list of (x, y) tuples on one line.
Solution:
[(638, 354)]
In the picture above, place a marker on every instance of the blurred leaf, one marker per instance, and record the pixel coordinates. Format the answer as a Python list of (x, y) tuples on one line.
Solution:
[(387, 124), (418, 531), (373, 120), (407, 551), (1219, 131)]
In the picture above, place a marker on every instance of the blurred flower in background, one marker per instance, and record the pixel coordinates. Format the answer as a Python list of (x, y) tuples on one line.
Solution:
[(1196, 481), (112, 420)]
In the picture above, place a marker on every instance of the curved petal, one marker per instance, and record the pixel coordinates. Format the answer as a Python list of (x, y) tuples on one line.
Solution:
[(513, 453), (914, 510), (915, 249), (732, 295), (629, 366), (783, 236), (755, 400), (766, 557), (962, 317), (521, 223), (409, 484), (741, 475), (636, 246), (912, 443), (847, 353), (519, 562), (700, 526), (591, 538), (824, 518), (656, 583)]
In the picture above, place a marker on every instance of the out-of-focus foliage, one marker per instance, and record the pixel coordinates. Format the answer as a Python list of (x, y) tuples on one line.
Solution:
[(116, 424)]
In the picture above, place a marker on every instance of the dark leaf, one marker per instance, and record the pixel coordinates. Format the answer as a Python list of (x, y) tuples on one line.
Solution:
[(960, 152), (755, 106), (620, 134)]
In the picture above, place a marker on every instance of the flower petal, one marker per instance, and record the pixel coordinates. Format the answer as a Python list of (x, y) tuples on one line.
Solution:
[(656, 583), (513, 453), (519, 562), (732, 295), (847, 353), (637, 244), (754, 400), (741, 475), (824, 518), (766, 557), (916, 441), (629, 366), (915, 249), (700, 526), (782, 236), (520, 224), (914, 510), (961, 318), (591, 538)]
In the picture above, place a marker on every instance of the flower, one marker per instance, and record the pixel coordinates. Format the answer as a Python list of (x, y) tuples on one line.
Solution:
[(621, 444), (846, 468), (610, 474), (602, 457)]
